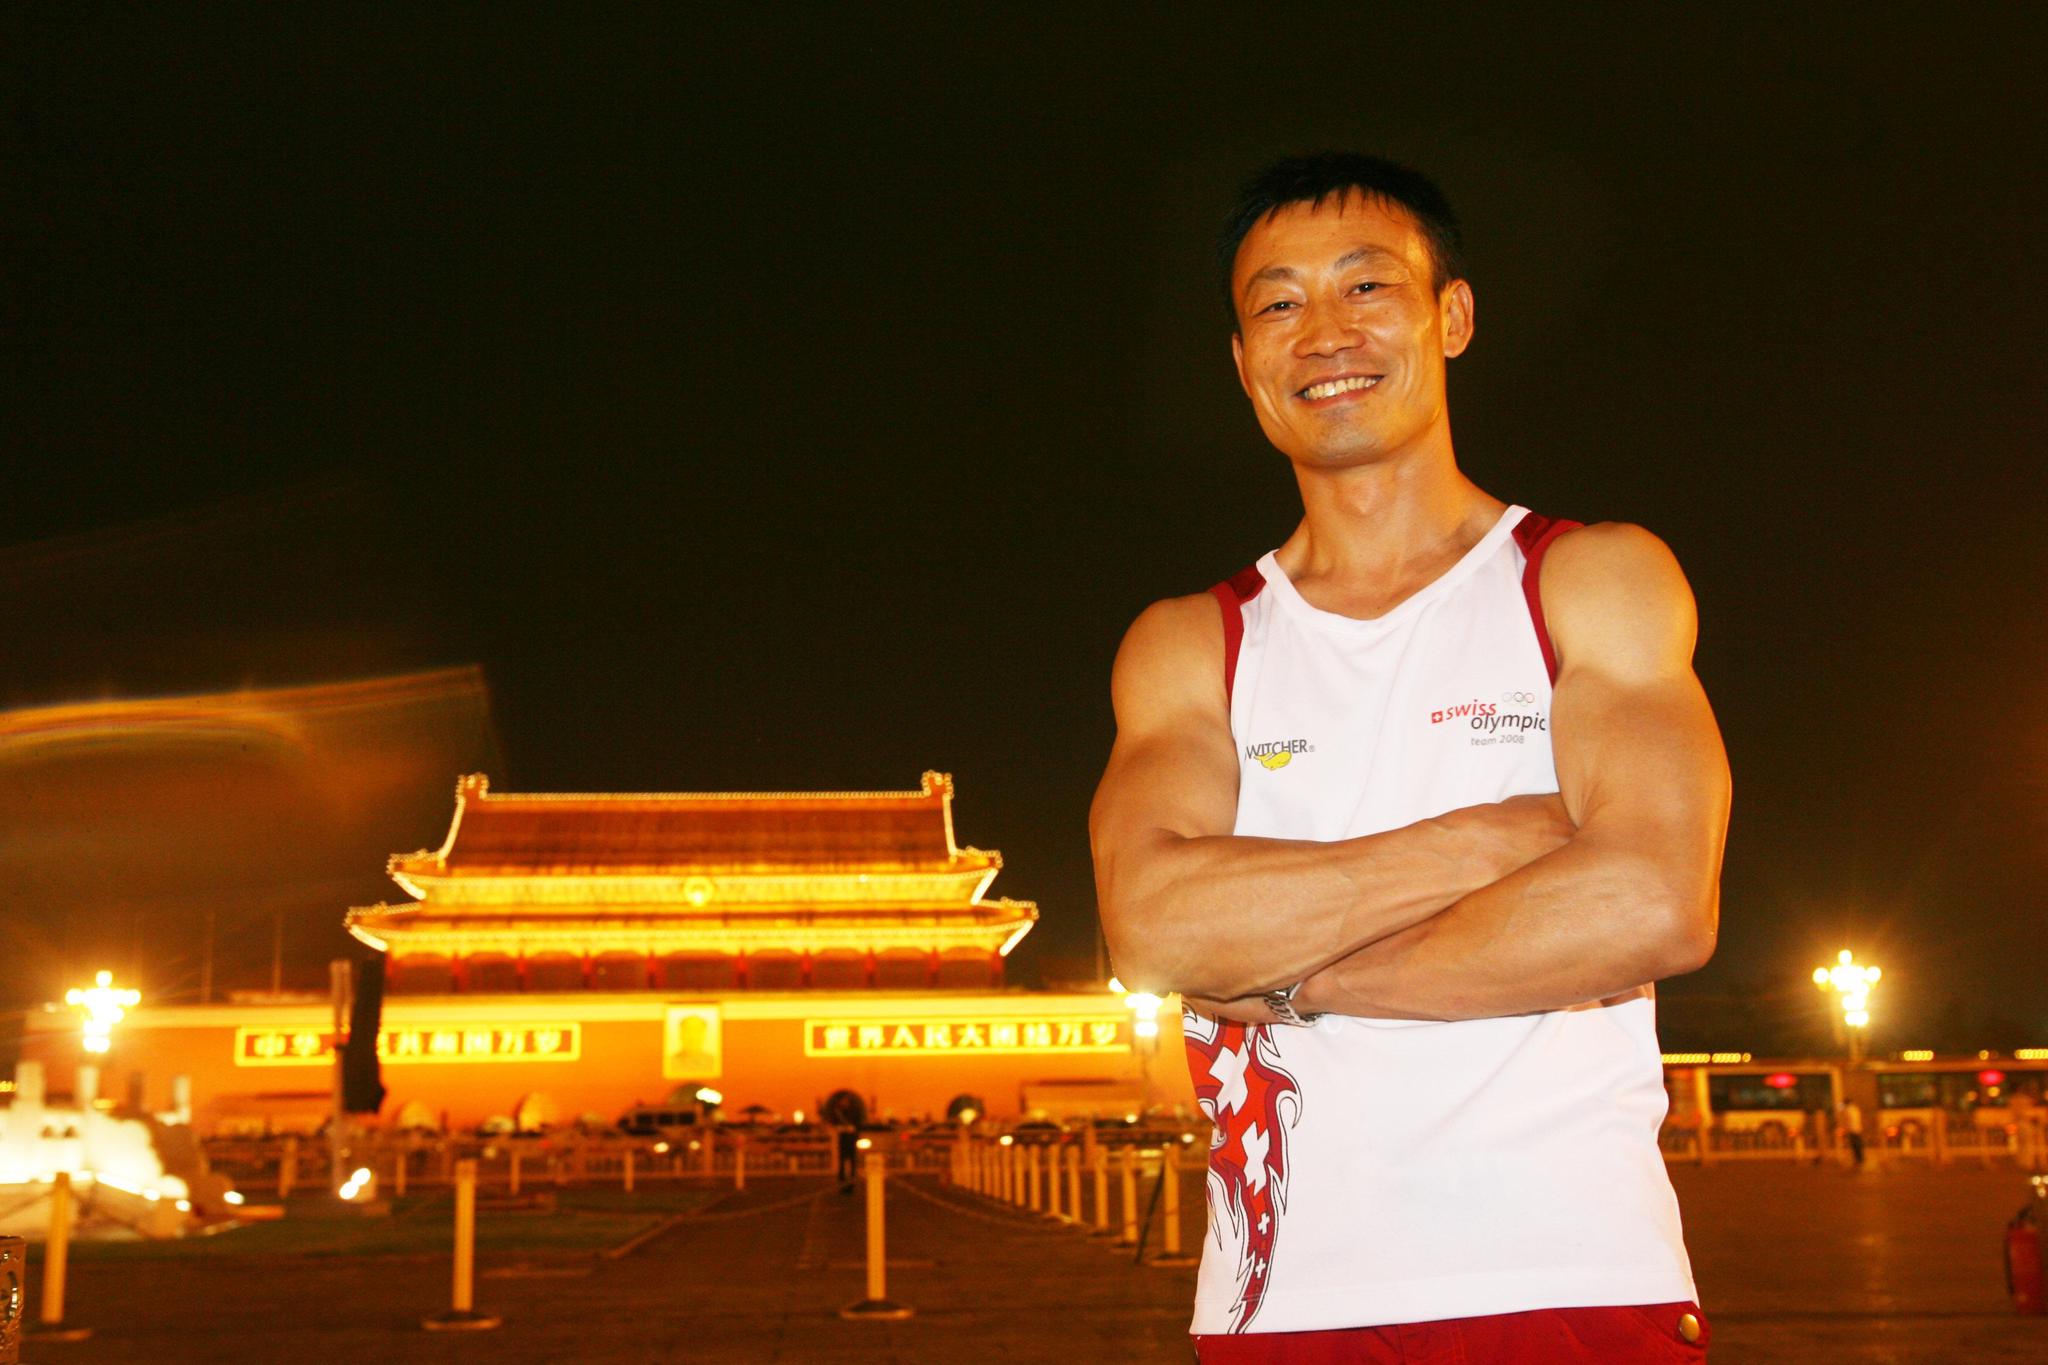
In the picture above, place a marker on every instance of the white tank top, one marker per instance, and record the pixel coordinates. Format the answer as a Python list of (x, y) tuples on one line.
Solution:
[(1365, 1172)]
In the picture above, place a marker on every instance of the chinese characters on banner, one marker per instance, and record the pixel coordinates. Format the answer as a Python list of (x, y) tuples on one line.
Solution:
[(952, 1037), (431, 1043)]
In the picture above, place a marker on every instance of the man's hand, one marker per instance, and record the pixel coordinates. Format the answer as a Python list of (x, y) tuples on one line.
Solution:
[(1247, 1009), (1634, 895)]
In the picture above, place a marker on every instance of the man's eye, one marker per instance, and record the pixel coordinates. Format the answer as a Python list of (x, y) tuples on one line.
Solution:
[(1277, 305), (1364, 286)]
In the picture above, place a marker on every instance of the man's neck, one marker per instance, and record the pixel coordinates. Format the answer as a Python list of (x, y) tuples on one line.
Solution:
[(1372, 535)]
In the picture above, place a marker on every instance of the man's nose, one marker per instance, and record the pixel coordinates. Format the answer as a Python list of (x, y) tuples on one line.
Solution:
[(1331, 330)]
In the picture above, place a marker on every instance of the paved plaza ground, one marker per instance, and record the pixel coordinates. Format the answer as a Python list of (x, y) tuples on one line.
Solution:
[(1797, 1264)]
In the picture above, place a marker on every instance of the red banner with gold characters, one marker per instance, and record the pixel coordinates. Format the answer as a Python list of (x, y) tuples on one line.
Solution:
[(510, 1042), (955, 1037)]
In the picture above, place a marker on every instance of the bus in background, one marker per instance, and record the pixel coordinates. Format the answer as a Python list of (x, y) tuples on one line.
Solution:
[(1983, 1102)]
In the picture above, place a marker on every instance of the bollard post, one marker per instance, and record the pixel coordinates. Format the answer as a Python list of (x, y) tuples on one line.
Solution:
[(1100, 1165), (1055, 1177), (288, 1167), (398, 1176), (626, 1171), (1074, 1185), (1169, 1172), (56, 1261), (462, 1315), (739, 1166), (57, 1251), (1034, 1188), (512, 1174), (13, 1274), (877, 1305), (1130, 1195)]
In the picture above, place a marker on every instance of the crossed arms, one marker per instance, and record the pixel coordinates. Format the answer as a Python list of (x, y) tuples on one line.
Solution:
[(1536, 903)]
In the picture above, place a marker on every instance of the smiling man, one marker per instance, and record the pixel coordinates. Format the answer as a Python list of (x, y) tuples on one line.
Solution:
[(1413, 812)]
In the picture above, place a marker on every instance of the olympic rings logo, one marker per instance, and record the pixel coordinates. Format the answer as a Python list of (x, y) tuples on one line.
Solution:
[(1518, 698)]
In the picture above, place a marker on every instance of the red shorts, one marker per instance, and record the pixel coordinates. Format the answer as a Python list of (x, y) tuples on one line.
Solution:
[(1648, 1334)]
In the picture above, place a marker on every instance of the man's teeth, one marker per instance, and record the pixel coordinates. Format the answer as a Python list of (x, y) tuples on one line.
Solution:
[(1337, 386)]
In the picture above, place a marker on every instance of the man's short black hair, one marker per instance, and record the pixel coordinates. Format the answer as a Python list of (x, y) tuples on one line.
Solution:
[(1332, 175)]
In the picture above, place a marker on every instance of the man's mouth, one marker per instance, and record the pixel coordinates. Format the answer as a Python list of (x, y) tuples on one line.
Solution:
[(1334, 388)]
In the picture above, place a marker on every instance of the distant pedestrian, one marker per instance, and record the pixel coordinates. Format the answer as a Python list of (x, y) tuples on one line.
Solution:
[(2027, 1118), (849, 1145), (1852, 1131)]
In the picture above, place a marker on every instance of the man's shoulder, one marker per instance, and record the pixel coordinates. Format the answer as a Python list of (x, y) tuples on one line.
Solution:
[(1606, 548), (1173, 649), (1614, 590), (1608, 564), (1174, 628)]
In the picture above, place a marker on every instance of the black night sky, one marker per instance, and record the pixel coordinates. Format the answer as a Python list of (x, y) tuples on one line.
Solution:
[(776, 399)]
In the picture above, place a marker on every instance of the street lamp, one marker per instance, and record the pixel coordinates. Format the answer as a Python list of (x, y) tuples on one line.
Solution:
[(1144, 1007), (102, 1006), (1852, 983)]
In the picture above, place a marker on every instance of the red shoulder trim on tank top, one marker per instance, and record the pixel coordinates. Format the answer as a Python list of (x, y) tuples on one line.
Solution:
[(1534, 534), (1231, 594)]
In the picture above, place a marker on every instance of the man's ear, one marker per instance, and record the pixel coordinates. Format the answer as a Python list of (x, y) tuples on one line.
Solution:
[(1458, 310), (1237, 359)]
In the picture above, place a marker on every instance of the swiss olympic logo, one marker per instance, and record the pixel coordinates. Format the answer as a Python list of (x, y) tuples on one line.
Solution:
[(1517, 711)]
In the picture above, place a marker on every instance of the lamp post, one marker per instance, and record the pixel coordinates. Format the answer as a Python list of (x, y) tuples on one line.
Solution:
[(102, 1006), (1852, 983), (1144, 1007)]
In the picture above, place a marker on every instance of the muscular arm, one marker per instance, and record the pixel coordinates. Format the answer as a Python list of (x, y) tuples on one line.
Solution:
[(1188, 906), (1634, 896)]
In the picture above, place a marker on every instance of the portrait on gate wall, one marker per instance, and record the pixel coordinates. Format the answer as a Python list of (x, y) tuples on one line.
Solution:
[(691, 1047)]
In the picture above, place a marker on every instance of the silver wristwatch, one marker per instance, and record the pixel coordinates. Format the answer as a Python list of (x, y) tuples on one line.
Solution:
[(1281, 1002)]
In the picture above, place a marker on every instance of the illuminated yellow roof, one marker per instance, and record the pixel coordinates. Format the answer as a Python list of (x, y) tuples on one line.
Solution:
[(701, 869), (516, 835)]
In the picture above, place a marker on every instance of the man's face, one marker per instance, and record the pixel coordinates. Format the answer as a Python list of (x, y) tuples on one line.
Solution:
[(1342, 337)]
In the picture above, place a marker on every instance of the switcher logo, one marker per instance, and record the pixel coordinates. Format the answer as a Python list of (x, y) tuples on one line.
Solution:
[(1276, 754)]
